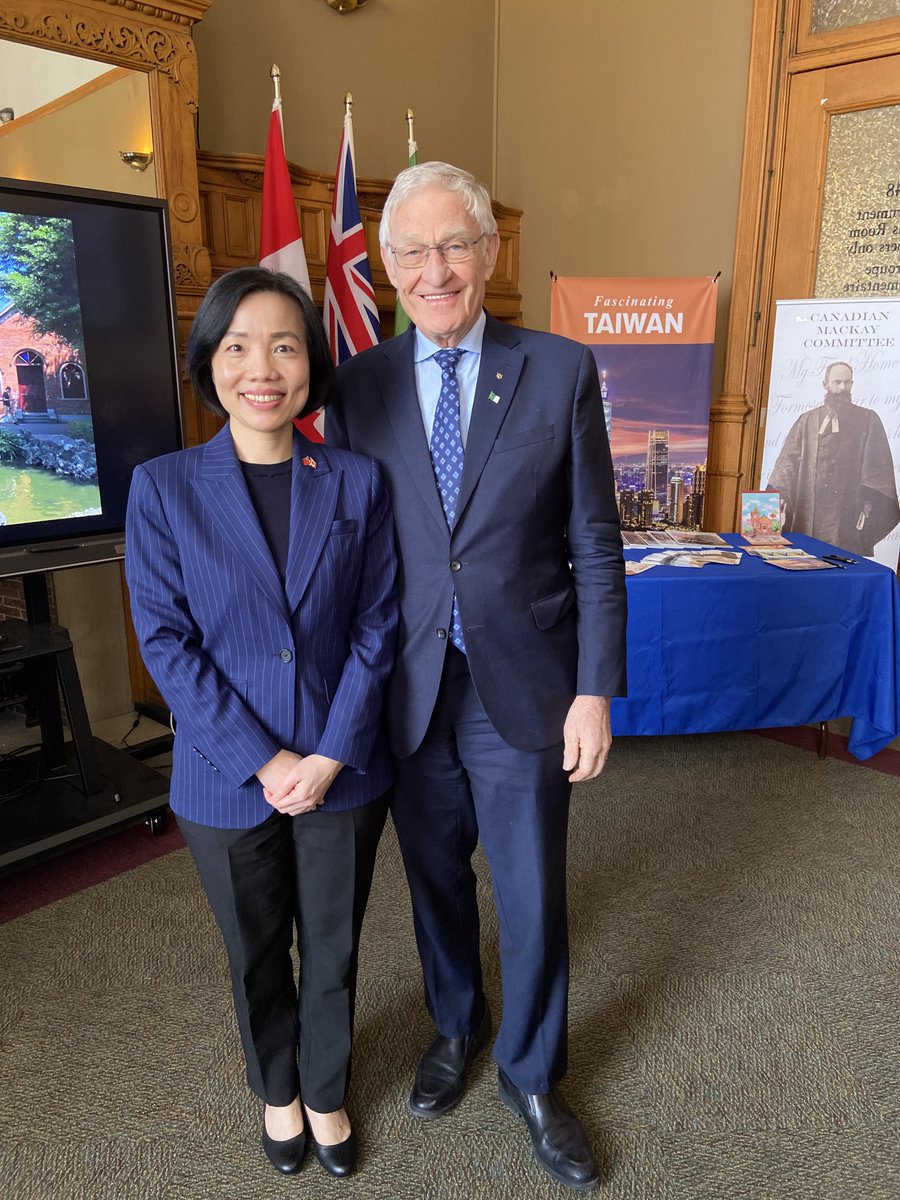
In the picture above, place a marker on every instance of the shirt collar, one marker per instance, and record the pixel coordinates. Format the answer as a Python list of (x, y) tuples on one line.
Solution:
[(425, 348)]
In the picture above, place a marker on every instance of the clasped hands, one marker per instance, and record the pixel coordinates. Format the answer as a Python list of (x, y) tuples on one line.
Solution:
[(295, 783)]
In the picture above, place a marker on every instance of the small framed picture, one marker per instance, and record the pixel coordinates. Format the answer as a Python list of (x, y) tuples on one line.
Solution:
[(761, 517)]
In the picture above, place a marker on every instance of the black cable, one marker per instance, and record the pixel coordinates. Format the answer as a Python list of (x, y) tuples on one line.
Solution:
[(37, 779), (134, 725)]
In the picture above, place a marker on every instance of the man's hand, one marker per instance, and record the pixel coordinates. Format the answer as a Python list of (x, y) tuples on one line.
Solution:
[(293, 784), (587, 737)]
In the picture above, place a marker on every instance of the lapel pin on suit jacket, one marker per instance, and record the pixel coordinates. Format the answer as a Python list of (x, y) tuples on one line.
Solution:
[(494, 397), (309, 462)]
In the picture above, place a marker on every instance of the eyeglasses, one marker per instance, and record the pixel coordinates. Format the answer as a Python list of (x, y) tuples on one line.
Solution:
[(456, 251)]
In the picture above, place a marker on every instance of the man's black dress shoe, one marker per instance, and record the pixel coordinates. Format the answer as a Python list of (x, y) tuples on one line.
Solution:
[(441, 1076), (339, 1159), (558, 1139), (286, 1156)]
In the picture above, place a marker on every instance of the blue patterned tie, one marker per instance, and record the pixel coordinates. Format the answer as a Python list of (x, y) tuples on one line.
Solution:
[(447, 456)]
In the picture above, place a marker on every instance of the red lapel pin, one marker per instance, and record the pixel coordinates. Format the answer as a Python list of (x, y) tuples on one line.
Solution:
[(309, 462)]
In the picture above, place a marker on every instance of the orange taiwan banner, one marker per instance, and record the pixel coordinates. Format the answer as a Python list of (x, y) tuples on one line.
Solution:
[(653, 341), (637, 312)]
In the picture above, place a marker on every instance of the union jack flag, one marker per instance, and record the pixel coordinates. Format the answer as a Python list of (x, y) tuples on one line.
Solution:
[(351, 314)]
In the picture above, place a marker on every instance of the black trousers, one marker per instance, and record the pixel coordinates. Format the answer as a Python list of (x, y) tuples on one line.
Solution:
[(313, 871)]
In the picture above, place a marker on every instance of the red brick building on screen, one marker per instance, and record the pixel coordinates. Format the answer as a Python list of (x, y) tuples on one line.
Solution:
[(44, 374)]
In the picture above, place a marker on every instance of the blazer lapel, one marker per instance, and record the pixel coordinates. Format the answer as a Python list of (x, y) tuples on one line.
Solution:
[(501, 365), (397, 380), (226, 499), (314, 496)]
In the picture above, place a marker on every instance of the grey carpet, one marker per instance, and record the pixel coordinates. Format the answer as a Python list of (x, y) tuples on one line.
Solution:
[(734, 1010)]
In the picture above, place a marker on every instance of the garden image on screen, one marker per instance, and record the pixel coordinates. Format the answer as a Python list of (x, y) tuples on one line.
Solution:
[(48, 463)]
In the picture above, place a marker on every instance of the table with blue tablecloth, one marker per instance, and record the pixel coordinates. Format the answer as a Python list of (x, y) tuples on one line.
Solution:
[(753, 646)]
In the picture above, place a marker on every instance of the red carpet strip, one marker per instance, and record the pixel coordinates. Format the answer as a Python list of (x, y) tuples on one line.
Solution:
[(886, 761), (83, 867)]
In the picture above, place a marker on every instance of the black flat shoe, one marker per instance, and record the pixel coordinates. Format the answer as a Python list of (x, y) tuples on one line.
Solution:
[(558, 1139), (441, 1076), (340, 1159), (286, 1156)]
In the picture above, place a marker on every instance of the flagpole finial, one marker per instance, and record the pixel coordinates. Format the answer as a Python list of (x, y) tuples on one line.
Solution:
[(348, 105), (276, 80)]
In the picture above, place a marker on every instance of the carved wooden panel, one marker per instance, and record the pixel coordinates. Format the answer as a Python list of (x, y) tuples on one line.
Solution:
[(506, 270), (239, 222), (315, 225)]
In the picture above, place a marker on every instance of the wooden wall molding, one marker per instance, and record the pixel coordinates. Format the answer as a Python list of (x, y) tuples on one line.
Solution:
[(88, 29)]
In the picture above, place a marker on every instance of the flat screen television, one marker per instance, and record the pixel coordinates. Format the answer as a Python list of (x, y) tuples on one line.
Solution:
[(89, 380)]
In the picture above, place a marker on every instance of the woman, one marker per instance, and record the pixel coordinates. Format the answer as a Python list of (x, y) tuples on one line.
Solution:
[(261, 568)]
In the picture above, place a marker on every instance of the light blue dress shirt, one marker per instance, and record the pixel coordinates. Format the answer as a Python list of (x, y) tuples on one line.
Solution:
[(428, 376)]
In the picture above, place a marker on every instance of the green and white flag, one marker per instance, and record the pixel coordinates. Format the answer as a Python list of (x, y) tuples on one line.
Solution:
[(401, 320)]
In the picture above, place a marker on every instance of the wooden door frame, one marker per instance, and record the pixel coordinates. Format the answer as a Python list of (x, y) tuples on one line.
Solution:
[(780, 47)]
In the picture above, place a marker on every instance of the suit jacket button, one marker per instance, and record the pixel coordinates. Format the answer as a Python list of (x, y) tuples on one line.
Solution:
[(455, 565), (442, 633), (285, 656)]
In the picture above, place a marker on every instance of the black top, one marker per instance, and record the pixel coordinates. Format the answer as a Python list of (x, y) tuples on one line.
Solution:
[(269, 485)]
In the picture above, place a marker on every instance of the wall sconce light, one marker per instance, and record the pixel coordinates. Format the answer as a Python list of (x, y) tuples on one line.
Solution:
[(136, 160), (6, 115), (345, 6)]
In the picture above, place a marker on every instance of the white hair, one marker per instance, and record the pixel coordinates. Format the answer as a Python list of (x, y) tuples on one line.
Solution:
[(442, 175)]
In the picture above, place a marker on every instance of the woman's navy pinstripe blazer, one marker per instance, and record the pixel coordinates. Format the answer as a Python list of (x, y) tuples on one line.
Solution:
[(250, 665)]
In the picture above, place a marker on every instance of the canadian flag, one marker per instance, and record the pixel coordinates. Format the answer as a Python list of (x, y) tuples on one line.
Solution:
[(280, 238)]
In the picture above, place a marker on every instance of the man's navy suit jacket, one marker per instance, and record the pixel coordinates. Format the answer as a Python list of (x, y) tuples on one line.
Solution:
[(535, 555), (250, 665)]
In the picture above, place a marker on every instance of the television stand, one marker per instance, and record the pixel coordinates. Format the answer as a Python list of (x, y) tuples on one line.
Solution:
[(63, 793), (48, 659)]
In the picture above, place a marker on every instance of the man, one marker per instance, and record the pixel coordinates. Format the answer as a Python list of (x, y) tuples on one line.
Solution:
[(494, 445), (835, 472)]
